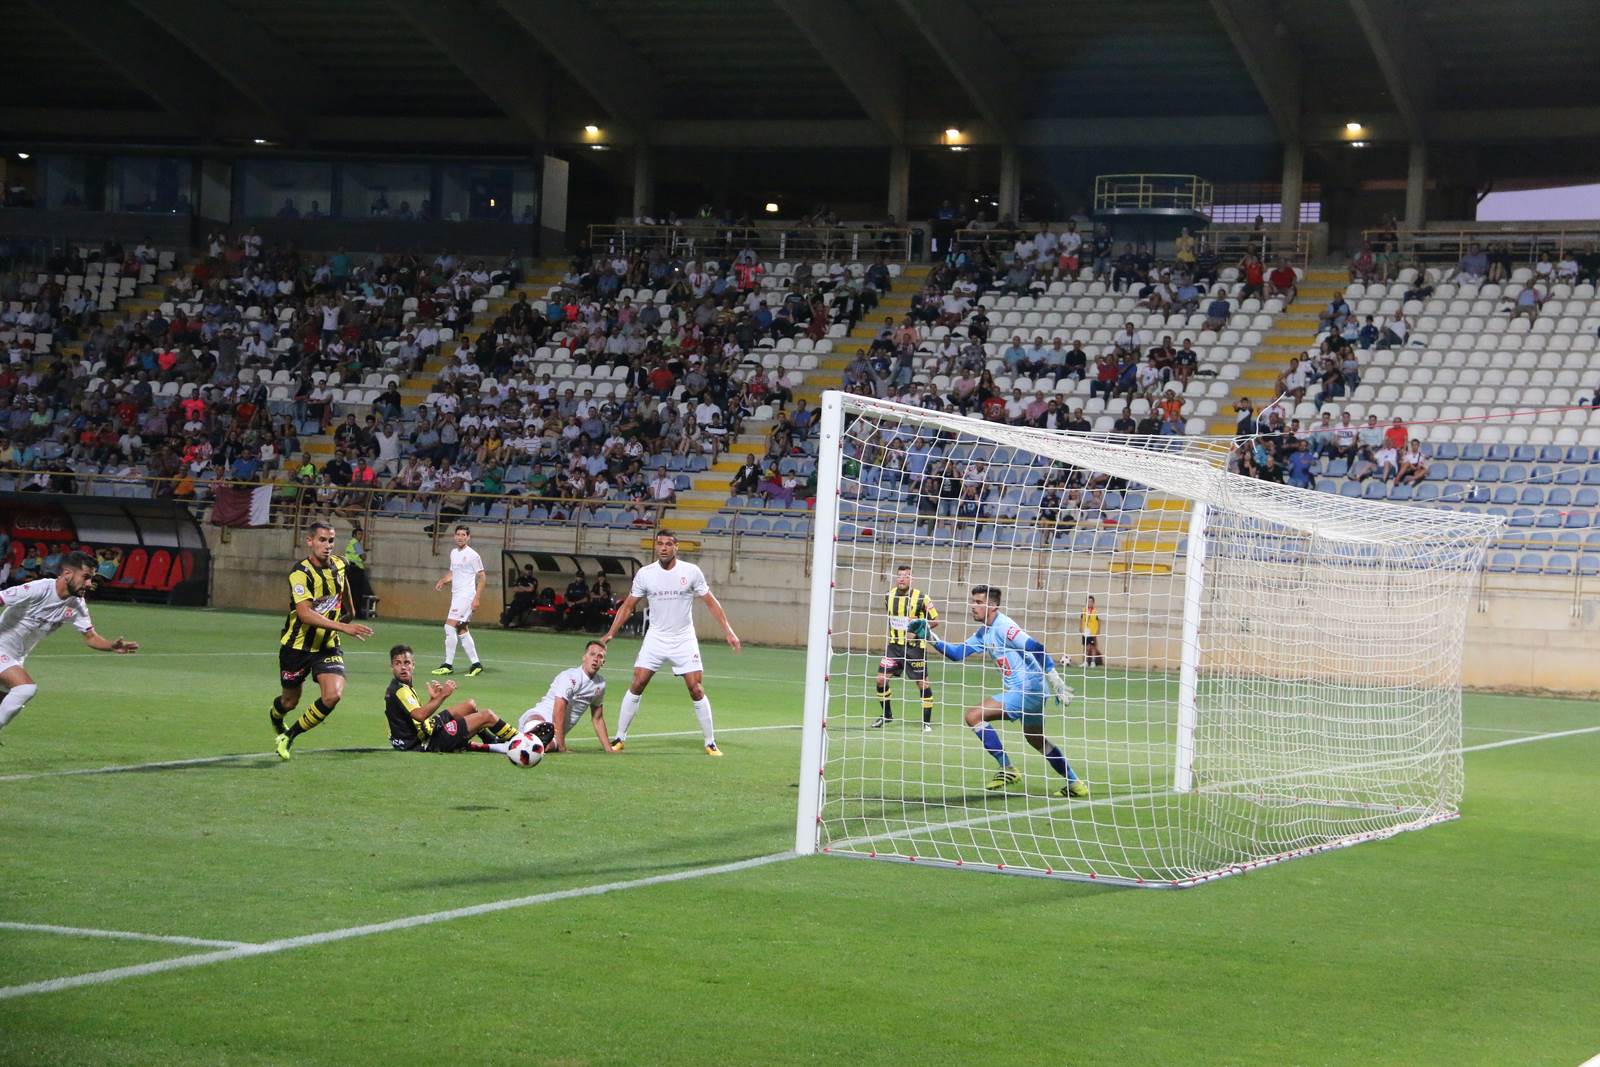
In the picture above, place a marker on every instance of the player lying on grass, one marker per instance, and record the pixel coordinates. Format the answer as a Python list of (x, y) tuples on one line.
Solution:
[(574, 691), (427, 726), (1026, 671), (31, 611)]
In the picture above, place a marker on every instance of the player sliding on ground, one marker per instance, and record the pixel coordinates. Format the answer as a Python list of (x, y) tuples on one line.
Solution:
[(906, 654), (672, 586), (573, 692), (32, 610), (309, 644), (1026, 671), (466, 580), (415, 725)]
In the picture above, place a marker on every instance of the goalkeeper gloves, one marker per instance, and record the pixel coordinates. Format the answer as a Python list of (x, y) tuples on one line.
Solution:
[(919, 629), (1062, 691)]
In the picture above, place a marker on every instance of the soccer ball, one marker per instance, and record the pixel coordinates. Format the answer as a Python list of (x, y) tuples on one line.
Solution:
[(525, 750)]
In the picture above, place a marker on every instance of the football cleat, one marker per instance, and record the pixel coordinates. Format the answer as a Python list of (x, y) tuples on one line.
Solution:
[(617, 744), (282, 746), (1074, 789), (881, 720), (1006, 776), (712, 749), (477, 669), (444, 668), (927, 727)]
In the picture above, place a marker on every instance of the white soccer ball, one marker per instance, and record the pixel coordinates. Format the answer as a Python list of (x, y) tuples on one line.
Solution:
[(525, 750)]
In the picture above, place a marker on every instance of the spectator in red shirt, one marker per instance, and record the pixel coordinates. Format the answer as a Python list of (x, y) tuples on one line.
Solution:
[(1255, 276), (661, 381), (1395, 436), (1281, 282)]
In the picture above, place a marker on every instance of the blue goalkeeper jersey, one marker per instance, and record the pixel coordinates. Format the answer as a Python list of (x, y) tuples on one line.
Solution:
[(1021, 659)]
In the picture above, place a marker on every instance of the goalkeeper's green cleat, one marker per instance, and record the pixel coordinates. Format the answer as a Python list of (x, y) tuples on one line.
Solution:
[(1004, 777), (444, 668), (1075, 789), (282, 746)]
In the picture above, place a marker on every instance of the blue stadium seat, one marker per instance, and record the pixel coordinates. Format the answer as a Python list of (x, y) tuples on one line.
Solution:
[(1506, 494), (1427, 492), (1464, 472), (1350, 489), (1587, 497), (1559, 497), (1568, 541), (1514, 472), (1446, 450), (1521, 517), (1569, 476), (1530, 563), (718, 524), (1589, 566), (1113, 501), (1502, 563), (1134, 500), (1548, 520), (682, 483), (1550, 454), (1338, 467), (1524, 453), (1577, 520), (1488, 472), (758, 525), (1401, 492), (1591, 475), (1577, 454), (782, 527), (1105, 542), (1558, 564), (1539, 540), (1531, 495), (1498, 453), (1472, 451), (1591, 540)]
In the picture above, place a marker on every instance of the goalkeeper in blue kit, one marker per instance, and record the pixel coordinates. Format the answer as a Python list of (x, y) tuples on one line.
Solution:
[(1028, 676)]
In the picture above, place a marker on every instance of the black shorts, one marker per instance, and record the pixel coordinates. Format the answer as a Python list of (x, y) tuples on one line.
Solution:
[(447, 733), (912, 663), (1089, 639), (294, 664)]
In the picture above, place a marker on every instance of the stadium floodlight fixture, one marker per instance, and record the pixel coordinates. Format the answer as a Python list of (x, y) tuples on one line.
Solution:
[(958, 148), (951, 133), (259, 140), (591, 129), (1358, 144), (22, 155), (1353, 126), (772, 207), (600, 148)]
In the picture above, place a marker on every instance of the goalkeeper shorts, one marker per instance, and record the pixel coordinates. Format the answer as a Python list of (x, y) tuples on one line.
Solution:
[(1020, 705)]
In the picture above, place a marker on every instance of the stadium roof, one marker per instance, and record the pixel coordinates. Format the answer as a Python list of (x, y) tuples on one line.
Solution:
[(508, 75)]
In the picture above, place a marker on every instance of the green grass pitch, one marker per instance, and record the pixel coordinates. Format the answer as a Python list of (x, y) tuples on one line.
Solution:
[(1472, 942)]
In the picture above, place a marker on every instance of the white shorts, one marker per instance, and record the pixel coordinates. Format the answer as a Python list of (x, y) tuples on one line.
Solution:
[(682, 649), (11, 657), (460, 608), (542, 713)]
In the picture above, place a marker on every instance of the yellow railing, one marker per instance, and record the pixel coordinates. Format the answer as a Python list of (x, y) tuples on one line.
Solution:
[(1447, 246), (770, 240), (1152, 192)]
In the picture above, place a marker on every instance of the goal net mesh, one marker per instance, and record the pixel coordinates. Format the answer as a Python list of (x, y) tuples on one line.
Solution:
[(1278, 670)]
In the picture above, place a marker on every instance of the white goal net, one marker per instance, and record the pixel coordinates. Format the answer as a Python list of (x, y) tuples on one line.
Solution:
[(1275, 671)]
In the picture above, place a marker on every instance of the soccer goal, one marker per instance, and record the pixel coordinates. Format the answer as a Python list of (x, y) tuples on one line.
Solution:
[(1278, 670)]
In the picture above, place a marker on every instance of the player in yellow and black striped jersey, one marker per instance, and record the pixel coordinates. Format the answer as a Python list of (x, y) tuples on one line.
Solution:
[(427, 726), (309, 643), (905, 654)]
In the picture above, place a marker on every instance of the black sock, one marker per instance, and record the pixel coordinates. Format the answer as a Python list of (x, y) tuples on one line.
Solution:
[(313, 716), (278, 711)]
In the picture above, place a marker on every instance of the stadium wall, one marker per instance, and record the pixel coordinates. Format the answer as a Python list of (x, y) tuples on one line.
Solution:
[(1524, 632)]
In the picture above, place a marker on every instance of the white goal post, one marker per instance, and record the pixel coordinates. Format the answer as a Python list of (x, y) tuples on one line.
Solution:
[(1276, 671)]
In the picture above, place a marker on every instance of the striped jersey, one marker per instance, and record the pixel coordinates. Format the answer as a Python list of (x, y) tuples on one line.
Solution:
[(1089, 623), (324, 588), (902, 608)]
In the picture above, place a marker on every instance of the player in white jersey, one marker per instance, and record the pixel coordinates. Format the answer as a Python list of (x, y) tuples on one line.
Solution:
[(672, 586), (573, 692), (466, 580), (31, 611)]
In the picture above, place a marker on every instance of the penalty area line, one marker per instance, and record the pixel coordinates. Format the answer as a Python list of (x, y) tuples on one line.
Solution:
[(119, 935), (202, 761), (267, 948)]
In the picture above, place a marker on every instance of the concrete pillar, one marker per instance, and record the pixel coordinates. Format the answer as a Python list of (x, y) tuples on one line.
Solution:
[(1010, 195), (899, 182), (1416, 185), (644, 180), (1294, 172)]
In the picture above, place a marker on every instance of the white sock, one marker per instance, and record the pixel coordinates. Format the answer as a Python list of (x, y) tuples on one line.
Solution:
[(702, 711), (449, 643), (630, 708), (13, 702), (469, 648), (499, 746)]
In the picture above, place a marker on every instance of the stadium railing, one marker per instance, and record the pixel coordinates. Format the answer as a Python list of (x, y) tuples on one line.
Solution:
[(1230, 242), (1153, 193), (769, 240), (1447, 246)]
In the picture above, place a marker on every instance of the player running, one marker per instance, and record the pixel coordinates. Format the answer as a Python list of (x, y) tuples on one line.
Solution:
[(906, 654), (415, 725), (309, 643), (1025, 670), (31, 611), (573, 692), (466, 578), (671, 585)]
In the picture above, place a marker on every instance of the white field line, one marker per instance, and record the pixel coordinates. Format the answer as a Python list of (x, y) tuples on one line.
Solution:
[(267, 948), (1048, 809), (119, 935), (203, 760)]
